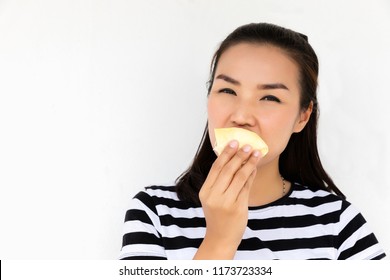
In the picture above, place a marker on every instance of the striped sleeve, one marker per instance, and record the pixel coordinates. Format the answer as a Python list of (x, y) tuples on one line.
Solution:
[(355, 239), (141, 238)]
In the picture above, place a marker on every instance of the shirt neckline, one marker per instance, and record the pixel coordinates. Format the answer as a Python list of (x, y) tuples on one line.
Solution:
[(279, 201)]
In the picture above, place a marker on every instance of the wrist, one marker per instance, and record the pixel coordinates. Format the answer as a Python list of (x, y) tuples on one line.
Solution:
[(216, 249)]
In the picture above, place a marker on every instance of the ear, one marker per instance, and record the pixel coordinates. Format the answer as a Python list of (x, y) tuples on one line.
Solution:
[(303, 118)]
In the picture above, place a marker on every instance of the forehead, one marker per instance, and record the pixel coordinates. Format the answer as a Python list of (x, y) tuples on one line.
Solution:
[(258, 63)]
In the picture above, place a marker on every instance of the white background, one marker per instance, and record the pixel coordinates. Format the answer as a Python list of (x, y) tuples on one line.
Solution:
[(99, 99)]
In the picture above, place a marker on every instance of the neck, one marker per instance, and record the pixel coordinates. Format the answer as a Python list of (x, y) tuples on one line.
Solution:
[(268, 185)]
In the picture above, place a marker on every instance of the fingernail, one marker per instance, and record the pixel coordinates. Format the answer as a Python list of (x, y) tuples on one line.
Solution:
[(256, 153), (246, 148), (233, 144)]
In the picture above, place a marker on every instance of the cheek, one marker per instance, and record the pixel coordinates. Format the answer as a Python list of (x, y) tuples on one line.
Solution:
[(213, 111), (219, 109), (277, 129), (216, 112)]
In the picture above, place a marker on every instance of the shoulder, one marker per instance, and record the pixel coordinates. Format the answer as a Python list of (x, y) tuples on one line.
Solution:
[(315, 203), (355, 240), (156, 192), (161, 196), (311, 191), (312, 196)]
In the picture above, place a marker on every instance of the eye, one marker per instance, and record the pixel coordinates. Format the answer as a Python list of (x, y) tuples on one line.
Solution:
[(271, 98), (227, 90)]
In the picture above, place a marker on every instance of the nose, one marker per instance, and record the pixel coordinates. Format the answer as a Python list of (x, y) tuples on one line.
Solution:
[(243, 114)]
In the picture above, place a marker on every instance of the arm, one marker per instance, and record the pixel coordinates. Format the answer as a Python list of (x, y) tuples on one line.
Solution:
[(224, 197), (355, 238), (141, 239)]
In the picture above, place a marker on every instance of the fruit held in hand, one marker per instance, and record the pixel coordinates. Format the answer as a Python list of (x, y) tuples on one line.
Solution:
[(224, 135)]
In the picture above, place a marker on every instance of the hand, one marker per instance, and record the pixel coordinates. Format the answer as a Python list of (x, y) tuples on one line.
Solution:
[(224, 197)]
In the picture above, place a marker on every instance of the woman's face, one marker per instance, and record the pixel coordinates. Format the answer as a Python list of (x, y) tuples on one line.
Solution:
[(256, 87)]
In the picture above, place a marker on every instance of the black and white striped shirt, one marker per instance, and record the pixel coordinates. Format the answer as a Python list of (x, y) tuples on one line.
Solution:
[(304, 224)]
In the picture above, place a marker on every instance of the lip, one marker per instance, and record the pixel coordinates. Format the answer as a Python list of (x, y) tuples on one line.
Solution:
[(242, 127)]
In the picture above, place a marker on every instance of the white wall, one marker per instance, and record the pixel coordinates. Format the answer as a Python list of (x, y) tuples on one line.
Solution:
[(101, 98)]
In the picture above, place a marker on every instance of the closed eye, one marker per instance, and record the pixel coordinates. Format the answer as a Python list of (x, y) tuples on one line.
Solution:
[(271, 98), (227, 90)]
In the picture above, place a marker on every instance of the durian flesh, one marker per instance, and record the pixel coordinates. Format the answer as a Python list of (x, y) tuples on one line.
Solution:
[(224, 135)]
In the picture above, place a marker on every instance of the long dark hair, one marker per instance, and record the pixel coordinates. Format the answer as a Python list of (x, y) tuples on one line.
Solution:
[(300, 161)]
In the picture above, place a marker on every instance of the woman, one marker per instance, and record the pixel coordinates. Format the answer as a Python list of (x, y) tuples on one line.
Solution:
[(242, 204)]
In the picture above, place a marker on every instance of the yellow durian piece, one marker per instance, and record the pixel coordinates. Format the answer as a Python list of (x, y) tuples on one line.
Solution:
[(224, 135)]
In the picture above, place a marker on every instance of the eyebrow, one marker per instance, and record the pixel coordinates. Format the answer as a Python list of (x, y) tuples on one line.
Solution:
[(260, 86)]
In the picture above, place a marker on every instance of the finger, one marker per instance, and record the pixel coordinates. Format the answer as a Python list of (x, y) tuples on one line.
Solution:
[(226, 175), (226, 155), (243, 196), (242, 179)]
